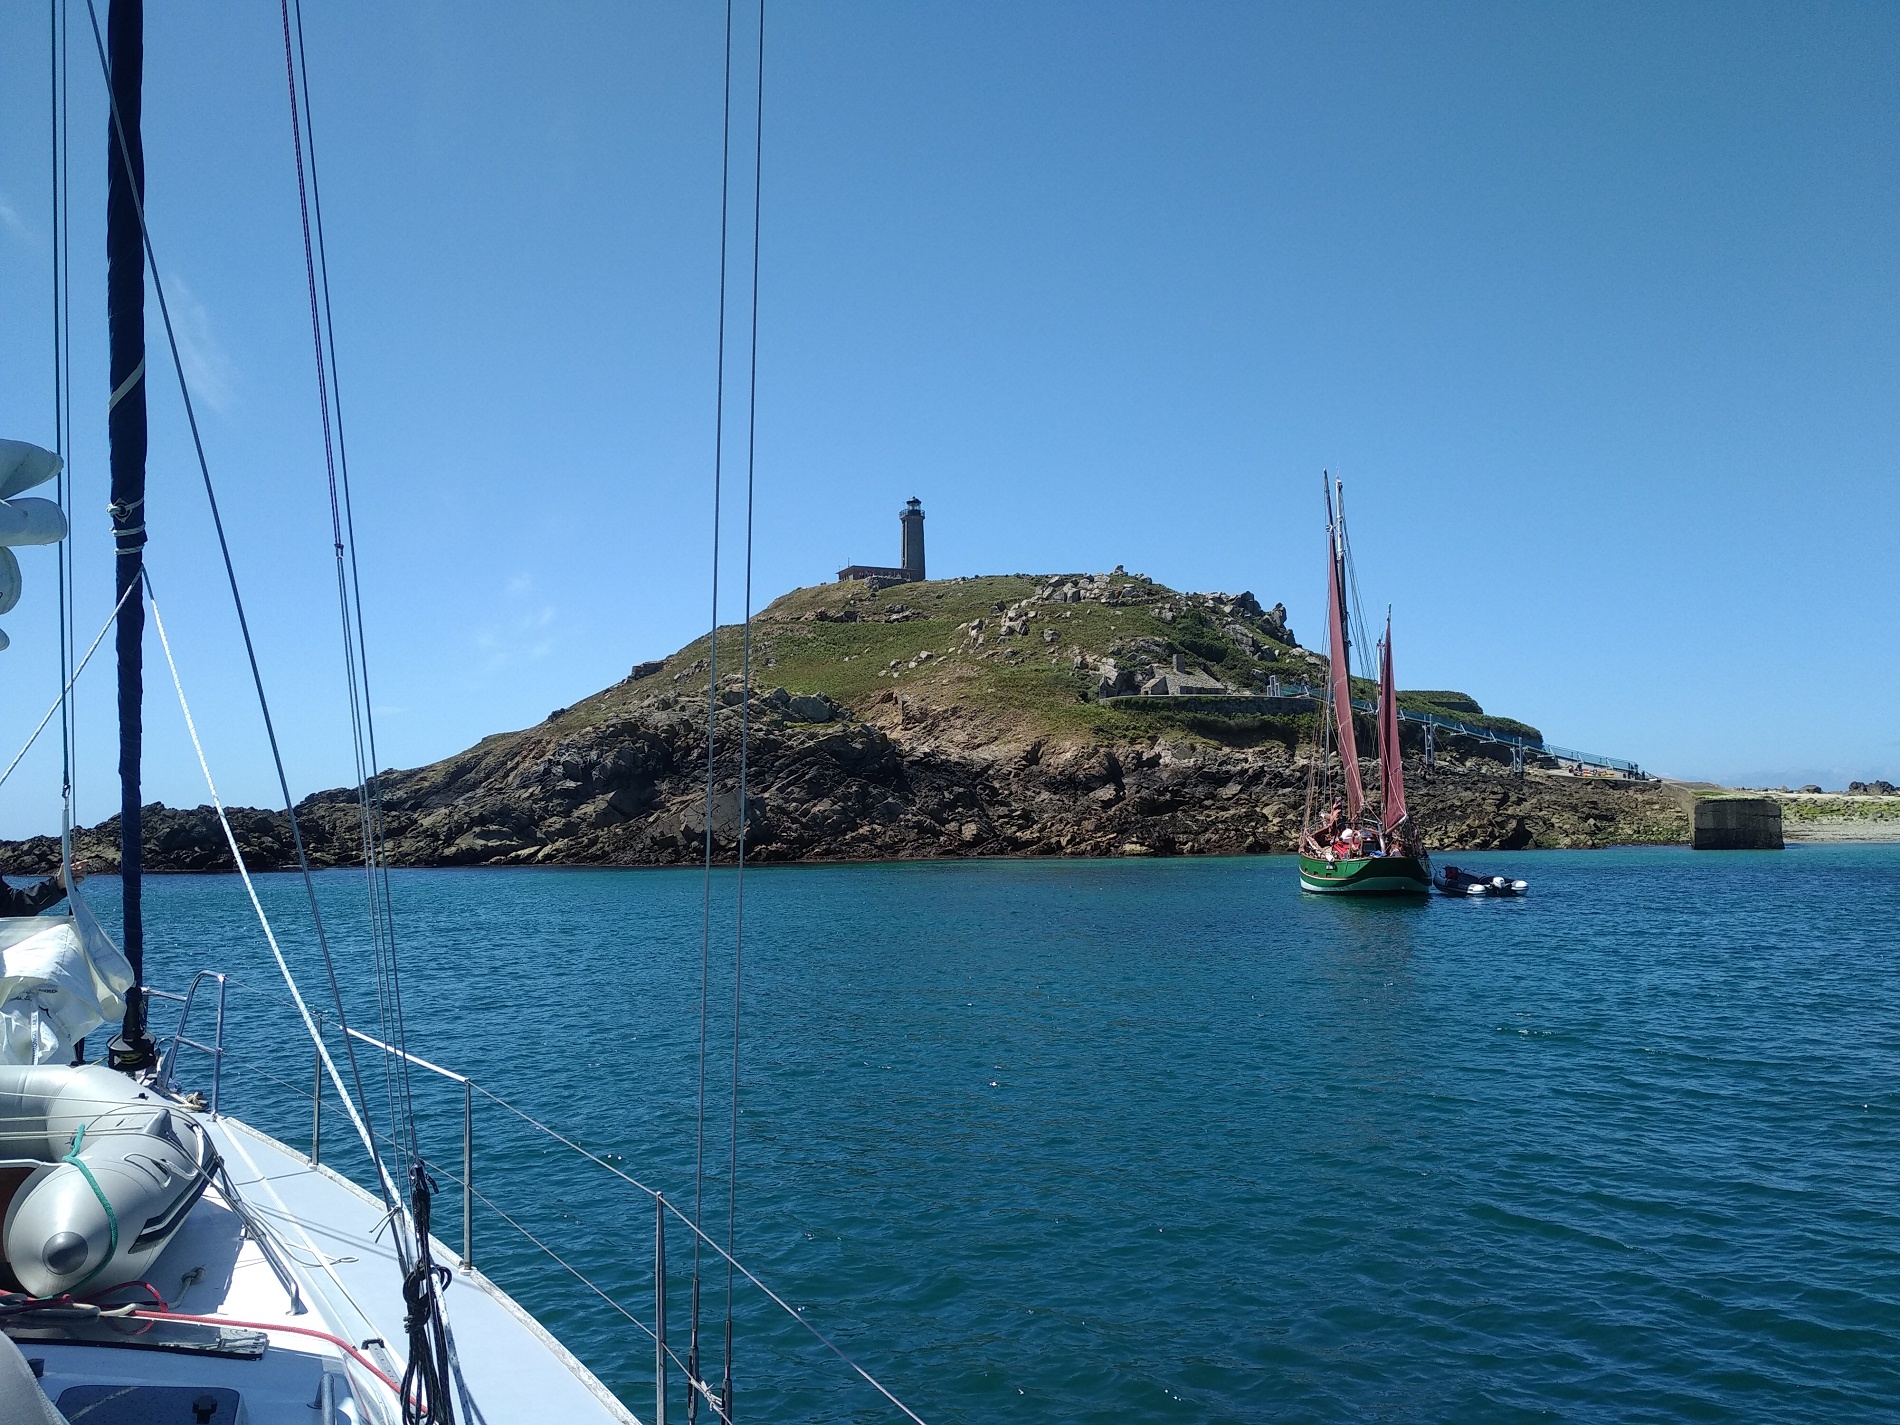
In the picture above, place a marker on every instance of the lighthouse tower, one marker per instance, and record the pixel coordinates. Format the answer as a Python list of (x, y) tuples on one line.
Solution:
[(911, 517), (911, 520)]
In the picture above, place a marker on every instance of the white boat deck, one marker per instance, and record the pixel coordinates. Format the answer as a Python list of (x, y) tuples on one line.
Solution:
[(332, 1240)]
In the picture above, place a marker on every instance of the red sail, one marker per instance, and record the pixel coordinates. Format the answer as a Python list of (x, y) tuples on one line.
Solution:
[(1391, 764), (1342, 681)]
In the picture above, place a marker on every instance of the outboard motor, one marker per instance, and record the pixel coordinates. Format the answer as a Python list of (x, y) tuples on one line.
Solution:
[(116, 1175)]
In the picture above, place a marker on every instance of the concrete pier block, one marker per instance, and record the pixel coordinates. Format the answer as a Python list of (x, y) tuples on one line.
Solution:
[(1737, 824)]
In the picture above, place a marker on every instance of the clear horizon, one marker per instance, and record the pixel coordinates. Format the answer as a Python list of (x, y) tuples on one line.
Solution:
[(1596, 313)]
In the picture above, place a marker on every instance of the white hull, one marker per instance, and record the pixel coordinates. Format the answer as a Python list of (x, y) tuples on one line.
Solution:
[(337, 1250)]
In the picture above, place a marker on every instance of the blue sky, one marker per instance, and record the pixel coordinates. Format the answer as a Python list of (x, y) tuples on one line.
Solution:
[(1596, 309)]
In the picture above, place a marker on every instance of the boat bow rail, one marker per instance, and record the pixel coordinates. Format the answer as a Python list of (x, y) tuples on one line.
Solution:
[(666, 1357), (177, 1039)]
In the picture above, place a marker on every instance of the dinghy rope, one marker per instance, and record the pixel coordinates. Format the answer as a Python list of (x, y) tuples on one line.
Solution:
[(112, 1218)]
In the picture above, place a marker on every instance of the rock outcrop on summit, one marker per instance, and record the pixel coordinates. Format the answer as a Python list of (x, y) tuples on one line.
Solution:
[(969, 717)]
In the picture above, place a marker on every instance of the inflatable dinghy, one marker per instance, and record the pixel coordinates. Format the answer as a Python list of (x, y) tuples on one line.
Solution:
[(115, 1168), (1462, 883)]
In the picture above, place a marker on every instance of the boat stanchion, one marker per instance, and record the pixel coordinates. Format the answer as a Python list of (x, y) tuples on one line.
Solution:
[(468, 1172), (659, 1309), (316, 1104)]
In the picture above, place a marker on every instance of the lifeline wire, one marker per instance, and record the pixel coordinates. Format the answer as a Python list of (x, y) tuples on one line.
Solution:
[(687, 1222), (625, 1177), (712, 718), (392, 1199), (745, 704)]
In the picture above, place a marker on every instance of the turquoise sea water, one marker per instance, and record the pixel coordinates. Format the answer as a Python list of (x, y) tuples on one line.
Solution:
[(1166, 1140)]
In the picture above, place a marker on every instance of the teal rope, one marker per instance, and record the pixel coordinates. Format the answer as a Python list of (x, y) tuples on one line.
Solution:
[(112, 1218)]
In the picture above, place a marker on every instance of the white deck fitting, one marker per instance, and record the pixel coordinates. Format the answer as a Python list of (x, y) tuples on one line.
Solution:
[(335, 1244)]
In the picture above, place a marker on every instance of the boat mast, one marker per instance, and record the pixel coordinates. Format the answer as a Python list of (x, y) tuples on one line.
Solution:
[(125, 310), (1391, 757), (1339, 676)]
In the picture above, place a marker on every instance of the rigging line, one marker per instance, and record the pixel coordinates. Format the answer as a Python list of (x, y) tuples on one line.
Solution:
[(66, 306), (378, 823), (712, 706), (323, 396), (244, 873), (55, 96), (395, 1083), (237, 600), (64, 692), (1351, 570), (745, 703)]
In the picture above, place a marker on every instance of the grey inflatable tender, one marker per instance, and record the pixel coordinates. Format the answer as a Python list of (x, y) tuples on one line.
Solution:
[(118, 1169)]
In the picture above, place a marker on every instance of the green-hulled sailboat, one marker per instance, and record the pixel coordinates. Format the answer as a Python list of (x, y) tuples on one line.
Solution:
[(1345, 849)]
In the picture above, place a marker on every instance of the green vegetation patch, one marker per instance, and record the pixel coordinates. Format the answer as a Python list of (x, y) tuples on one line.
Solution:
[(944, 642), (1823, 808), (1458, 705)]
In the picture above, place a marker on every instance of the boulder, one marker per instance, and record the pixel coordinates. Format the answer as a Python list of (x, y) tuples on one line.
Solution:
[(811, 707)]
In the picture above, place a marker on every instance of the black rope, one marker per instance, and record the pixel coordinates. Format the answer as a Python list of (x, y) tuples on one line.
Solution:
[(745, 708), (237, 601), (712, 727), (425, 1396)]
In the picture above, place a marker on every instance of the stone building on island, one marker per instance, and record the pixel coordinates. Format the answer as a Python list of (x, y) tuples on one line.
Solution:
[(911, 520)]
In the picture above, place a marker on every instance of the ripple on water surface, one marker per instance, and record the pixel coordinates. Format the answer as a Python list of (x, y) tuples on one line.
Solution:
[(1165, 1139)]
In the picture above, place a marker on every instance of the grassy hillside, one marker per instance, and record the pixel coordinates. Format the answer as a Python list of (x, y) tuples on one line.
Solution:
[(1025, 656)]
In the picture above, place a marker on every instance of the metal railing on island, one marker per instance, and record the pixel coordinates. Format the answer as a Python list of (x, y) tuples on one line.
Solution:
[(1282, 697)]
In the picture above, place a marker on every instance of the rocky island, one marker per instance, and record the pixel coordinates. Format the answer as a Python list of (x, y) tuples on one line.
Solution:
[(994, 716)]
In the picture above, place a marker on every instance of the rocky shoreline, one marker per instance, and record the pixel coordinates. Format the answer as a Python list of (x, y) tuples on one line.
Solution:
[(906, 780), (1005, 715)]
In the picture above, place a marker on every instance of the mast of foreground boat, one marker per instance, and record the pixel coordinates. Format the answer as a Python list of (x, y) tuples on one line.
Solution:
[(132, 1050)]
